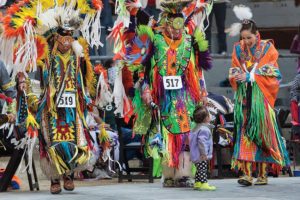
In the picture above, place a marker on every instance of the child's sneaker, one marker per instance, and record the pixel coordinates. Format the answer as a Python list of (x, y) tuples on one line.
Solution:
[(207, 187), (197, 185)]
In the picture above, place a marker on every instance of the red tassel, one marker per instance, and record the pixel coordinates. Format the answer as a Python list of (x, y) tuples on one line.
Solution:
[(128, 111), (88, 139), (127, 79), (174, 148)]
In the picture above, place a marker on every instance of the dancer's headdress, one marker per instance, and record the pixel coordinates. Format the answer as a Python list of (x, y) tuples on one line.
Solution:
[(28, 23), (174, 6), (244, 14)]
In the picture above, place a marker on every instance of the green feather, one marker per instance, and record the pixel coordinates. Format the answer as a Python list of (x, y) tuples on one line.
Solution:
[(143, 29), (138, 104), (134, 68), (200, 40)]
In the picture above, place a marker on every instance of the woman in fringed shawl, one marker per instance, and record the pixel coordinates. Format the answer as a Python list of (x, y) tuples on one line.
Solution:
[(255, 77)]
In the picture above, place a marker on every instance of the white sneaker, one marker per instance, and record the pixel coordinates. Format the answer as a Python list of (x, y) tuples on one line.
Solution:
[(223, 53)]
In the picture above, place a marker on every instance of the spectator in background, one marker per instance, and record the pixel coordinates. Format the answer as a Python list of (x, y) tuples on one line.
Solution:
[(152, 10), (295, 93), (295, 47), (219, 11), (7, 88), (111, 72), (106, 23)]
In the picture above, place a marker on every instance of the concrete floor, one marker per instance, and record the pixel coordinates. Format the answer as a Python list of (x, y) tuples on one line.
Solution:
[(283, 188)]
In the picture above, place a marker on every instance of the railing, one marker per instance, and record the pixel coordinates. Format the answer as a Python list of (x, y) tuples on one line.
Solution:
[(214, 56)]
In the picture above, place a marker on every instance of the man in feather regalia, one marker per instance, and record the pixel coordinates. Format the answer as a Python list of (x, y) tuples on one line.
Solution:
[(43, 31), (168, 56)]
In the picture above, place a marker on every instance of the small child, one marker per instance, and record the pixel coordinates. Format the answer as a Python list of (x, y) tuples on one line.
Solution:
[(201, 147)]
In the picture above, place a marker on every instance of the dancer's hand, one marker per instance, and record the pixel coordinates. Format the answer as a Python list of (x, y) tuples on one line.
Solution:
[(21, 82), (203, 157), (241, 77), (106, 126), (204, 100), (11, 118)]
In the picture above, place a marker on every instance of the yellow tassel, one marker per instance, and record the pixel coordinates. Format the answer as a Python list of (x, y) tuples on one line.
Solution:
[(54, 159), (84, 156), (62, 163), (30, 121), (103, 137)]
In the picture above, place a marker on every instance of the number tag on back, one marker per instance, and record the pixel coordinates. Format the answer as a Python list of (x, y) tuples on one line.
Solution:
[(172, 82), (67, 100)]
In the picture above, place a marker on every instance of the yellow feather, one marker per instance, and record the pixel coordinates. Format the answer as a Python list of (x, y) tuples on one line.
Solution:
[(46, 4), (90, 75)]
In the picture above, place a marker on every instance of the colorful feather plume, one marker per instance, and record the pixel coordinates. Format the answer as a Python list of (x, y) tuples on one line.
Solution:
[(138, 50), (27, 19)]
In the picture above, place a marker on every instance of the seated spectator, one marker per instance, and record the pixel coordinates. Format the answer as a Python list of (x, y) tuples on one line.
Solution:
[(105, 147), (295, 98)]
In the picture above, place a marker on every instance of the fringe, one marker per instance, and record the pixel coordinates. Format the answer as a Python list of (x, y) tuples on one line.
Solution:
[(104, 95), (67, 156), (260, 124), (174, 149)]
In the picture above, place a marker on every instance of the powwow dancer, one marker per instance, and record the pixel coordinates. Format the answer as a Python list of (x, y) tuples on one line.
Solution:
[(255, 77), (42, 30), (169, 57)]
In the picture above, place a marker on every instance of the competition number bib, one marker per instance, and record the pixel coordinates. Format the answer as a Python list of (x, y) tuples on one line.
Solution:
[(67, 100), (172, 82)]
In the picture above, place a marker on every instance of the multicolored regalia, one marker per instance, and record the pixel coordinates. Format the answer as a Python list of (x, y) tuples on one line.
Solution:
[(43, 32), (171, 75), (63, 109), (258, 138)]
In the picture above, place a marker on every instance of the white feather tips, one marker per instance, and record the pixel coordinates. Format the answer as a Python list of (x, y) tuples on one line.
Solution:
[(234, 29), (242, 12), (77, 48)]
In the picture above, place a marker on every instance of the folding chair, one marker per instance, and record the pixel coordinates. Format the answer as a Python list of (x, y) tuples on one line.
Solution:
[(146, 171), (11, 168)]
